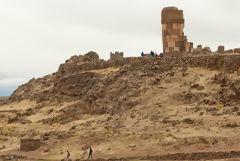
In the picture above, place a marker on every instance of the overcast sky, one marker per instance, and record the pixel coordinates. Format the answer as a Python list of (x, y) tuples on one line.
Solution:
[(38, 35)]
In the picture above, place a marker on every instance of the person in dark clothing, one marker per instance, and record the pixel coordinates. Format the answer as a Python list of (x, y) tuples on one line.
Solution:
[(161, 55), (68, 155), (152, 53), (90, 152), (142, 54)]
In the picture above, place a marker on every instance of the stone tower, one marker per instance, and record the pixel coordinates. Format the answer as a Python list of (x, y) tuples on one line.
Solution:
[(174, 40)]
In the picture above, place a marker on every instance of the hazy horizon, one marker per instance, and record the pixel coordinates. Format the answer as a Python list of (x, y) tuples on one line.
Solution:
[(37, 36)]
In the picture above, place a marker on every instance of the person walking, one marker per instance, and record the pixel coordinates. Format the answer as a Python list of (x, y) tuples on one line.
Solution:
[(90, 152), (68, 155)]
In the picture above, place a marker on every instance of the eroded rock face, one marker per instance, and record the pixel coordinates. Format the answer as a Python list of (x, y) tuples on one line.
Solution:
[(111, 92), (29, 144)]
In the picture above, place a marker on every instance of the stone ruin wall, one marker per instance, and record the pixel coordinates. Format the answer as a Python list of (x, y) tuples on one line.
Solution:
[(173, 37), (116, 56)]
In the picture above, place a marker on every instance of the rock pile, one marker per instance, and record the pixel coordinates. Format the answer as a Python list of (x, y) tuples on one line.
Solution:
[(229, 91), (201, 50)]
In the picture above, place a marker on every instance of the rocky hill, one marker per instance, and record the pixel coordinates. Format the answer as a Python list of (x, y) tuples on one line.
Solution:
[(99, 85), (131, 108)]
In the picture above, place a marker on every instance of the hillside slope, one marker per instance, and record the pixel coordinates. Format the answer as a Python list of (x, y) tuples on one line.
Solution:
[(135, 108)]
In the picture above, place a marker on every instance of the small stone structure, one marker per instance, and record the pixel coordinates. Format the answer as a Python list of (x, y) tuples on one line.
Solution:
[(29, 144), (199, 47), (237, 50), (221, 49), (174, 40), (116, 56)]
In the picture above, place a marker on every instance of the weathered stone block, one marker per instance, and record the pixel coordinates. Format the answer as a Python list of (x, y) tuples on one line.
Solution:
[(221, 49), (171, 15), (179, 43), (176, 32)]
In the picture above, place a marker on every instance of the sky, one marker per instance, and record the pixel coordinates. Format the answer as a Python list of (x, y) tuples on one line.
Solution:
[(36, 36)]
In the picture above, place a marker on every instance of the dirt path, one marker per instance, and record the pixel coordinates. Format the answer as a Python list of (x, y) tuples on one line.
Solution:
[(182, 156), (177, 156)]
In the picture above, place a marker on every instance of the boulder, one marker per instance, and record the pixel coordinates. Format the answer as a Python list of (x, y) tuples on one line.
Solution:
[(199, 48), (206, 50), (188, 121), (91, 56), (75, 58), (69, 67)]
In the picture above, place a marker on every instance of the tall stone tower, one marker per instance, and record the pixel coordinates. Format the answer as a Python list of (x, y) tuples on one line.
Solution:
[(174, 40)]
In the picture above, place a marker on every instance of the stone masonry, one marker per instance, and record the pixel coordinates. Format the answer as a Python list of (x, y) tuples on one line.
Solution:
[(116, 56), (174, 40), (221, 49)]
